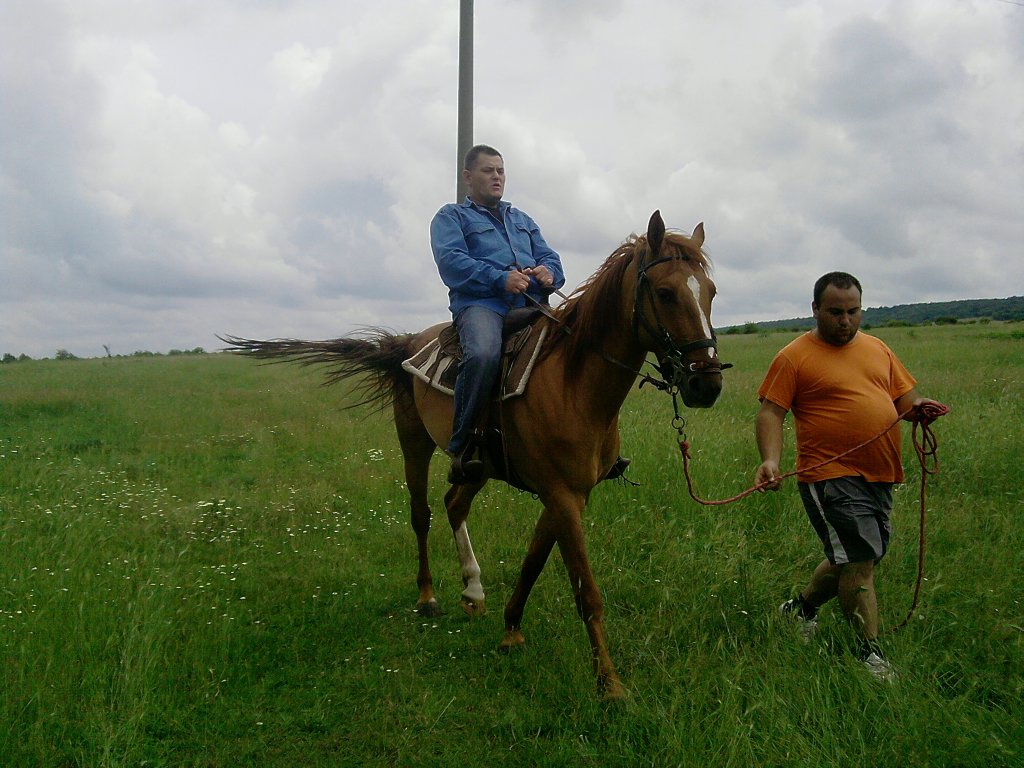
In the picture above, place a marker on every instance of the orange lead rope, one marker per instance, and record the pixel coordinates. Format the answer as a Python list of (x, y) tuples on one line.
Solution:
[(926, 446), (927, 449)]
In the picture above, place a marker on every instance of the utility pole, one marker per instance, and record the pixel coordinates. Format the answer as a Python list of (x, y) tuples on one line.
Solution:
[(465, 137)]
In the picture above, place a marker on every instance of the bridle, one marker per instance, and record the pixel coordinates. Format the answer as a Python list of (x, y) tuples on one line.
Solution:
[(673, 366)]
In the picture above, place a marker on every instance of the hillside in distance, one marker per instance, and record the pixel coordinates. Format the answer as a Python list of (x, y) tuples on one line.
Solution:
[(1008, 309)]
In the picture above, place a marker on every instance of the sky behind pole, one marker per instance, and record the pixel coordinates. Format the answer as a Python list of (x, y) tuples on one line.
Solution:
[(174, 170)]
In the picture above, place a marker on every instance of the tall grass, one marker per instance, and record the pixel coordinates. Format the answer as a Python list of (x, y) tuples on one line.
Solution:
[(205, 562)]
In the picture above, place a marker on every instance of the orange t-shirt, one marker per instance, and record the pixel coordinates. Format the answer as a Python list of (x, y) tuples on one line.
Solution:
[(841, 397)]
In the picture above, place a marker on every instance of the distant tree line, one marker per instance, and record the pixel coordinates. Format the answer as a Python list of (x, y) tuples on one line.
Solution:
[(63, 354), (933, 313)]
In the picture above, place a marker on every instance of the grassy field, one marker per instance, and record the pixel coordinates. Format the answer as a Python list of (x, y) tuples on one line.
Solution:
[(206, 562)]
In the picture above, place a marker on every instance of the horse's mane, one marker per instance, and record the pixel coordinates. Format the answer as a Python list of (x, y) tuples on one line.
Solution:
[(595, 307)]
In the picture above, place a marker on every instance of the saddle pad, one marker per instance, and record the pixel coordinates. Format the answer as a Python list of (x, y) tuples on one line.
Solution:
[(437, 364)]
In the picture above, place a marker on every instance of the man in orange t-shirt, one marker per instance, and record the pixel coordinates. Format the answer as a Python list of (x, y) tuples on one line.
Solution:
[(843, 388)]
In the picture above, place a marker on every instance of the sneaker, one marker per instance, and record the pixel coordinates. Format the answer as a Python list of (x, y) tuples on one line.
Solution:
[(807, 626), (879, 667)]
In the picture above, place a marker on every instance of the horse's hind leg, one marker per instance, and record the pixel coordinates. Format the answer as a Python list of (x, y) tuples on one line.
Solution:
[(417, 449), (458, 501)]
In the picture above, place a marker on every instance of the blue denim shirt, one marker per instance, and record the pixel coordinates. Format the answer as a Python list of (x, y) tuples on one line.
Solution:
[(474, 253)]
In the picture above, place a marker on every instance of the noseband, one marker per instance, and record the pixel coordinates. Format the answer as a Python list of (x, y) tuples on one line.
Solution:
[(673, 362)]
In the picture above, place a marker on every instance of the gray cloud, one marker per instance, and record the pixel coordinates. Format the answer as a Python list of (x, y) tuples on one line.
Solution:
[(170, 171)]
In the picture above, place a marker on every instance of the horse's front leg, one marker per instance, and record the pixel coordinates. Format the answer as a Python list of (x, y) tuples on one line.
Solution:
[(458, 501), (536, 557), (589, 604)]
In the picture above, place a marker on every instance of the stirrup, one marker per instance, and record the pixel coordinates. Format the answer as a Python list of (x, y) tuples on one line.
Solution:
[(618, 468), (466, 468)]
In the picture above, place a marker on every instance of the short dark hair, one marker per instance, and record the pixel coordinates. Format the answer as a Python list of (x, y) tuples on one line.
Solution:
[(475, 152), (840, 280)]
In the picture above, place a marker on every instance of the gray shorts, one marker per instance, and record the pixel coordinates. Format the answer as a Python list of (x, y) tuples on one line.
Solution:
[(850, 516)]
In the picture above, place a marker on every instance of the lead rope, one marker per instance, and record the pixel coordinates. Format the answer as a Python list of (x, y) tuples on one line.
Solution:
[(926, 446), (927, 449)]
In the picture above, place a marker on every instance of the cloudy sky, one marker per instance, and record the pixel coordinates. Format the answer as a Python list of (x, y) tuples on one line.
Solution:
[(174, 169)]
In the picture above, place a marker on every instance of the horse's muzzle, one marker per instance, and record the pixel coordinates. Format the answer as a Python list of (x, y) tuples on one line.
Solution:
[(701, 390), (699, 383)]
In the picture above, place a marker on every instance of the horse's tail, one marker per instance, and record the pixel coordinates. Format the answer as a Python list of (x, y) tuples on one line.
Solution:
[(377, 356)]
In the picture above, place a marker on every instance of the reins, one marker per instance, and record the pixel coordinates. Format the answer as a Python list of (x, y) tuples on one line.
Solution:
[(926, 446), (646, 378)]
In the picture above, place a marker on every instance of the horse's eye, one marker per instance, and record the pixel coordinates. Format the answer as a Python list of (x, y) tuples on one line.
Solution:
[(666, 296)]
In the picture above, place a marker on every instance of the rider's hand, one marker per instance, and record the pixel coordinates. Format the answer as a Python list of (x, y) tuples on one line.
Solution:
[(541, 274), (517, 281)]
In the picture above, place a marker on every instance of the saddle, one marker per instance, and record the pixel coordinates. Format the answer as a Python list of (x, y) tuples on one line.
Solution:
[(437, 364)]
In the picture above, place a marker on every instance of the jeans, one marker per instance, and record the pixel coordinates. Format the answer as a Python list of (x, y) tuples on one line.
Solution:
[(480, 338)]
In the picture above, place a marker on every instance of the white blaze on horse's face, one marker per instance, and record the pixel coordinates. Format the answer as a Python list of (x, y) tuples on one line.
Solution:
[(694, 285)]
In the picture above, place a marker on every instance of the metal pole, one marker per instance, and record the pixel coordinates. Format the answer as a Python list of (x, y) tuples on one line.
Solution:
[(465, 137)]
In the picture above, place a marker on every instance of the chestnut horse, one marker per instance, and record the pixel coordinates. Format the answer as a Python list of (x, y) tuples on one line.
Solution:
[(653, 294)]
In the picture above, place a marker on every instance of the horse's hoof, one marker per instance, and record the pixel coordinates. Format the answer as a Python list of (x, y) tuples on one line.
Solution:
[(613, 691), (473, 607), (429, 609), (513, 639)]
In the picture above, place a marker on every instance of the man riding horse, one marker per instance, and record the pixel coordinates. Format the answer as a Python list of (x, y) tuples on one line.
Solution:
[(493, 258)]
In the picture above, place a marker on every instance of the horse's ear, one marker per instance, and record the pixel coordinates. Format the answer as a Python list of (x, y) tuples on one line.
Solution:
[(655, 233), (697, 238)]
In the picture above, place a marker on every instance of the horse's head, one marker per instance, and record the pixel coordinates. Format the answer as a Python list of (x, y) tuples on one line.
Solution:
[(672, 312)]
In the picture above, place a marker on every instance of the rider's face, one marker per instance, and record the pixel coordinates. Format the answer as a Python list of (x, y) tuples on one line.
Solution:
[(486, 180)]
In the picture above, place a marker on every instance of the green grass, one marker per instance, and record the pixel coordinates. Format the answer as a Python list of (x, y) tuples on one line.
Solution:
[(206, 562)]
